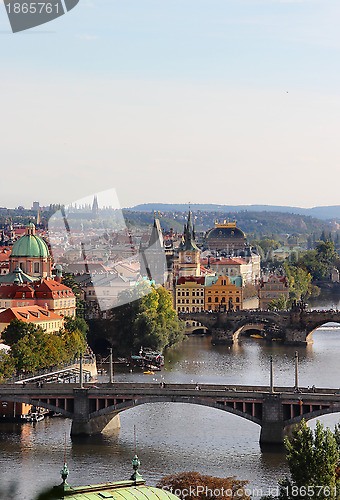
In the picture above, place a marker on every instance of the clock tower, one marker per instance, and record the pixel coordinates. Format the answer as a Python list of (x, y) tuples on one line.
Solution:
[(189, 253)]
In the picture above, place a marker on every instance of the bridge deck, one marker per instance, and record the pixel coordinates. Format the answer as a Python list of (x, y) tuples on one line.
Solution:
[(107, 390)]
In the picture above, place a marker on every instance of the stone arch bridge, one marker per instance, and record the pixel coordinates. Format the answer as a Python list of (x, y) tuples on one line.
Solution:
[(292, 327), (96, 408)]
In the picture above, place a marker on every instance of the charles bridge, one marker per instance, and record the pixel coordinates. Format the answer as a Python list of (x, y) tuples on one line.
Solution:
[(97, 408), (292, 327)]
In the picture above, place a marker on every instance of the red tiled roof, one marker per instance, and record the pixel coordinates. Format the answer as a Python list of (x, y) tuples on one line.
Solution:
[(198, 279), (224, 261), (29, 314), (47, 288), (12, 291)]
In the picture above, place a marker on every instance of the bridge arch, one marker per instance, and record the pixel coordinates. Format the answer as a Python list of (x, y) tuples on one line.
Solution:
[(314, 326), (313, 414), (129, 404), (39, 404)]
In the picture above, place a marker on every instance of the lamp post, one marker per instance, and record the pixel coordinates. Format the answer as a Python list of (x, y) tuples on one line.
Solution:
[(271, 375), (111, 366), (296, 370), (81, 371)]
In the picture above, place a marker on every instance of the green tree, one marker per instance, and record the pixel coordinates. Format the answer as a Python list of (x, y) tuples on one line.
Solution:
[(16, 330), (7, 366), (73, 324), (278, 304), (149, 321), (312, 459), (299, 281)]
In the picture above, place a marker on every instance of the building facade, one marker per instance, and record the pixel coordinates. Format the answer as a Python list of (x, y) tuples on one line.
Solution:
[(223, 294), (271, 288)]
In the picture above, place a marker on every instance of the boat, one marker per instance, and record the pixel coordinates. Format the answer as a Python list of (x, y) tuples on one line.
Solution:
[(256, 336), (149, 373), (147, 358)]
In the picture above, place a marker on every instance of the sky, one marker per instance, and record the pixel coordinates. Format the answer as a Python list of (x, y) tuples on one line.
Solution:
[(174, 101)]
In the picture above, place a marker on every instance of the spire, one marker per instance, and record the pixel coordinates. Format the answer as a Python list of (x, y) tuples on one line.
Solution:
[(95, 207), (188, 242)]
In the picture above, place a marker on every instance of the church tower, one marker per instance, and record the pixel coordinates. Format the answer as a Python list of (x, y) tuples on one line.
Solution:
[(189, 253), (95, 208)]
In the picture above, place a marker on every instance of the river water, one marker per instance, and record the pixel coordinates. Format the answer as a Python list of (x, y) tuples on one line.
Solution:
[(173, 437)]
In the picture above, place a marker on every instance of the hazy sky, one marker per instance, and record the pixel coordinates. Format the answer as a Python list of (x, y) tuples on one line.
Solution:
[(208, 101)]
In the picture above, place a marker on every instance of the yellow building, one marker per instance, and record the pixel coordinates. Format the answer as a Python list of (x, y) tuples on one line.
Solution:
[(39, 316), (189, 294), (223, 293)]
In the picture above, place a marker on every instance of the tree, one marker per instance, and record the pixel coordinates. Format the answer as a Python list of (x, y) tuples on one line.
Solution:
[(150, 321), (299, 281), (312, 460), (16, 330), (192, 486), (73, 324), (278, 304), (7, 367)]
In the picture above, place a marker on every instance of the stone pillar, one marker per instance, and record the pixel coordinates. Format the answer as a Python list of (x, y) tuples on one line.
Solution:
[(81, 419), (272, 427), (82, 424), (297, 337), (221, 336)]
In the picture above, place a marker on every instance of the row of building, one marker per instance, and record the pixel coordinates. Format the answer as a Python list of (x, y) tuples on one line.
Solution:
[(29, 289)]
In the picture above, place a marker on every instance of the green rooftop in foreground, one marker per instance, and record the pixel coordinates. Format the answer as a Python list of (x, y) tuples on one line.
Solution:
[(133, 489)]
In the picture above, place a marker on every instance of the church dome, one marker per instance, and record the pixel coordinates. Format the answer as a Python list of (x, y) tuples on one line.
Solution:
[(30, 245), (226, 232), (225, 235)]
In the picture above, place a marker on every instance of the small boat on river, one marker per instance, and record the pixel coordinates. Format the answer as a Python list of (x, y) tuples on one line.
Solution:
[(147, 358)]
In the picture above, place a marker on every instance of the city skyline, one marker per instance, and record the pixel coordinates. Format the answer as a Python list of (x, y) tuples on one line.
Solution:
[(227, 102)]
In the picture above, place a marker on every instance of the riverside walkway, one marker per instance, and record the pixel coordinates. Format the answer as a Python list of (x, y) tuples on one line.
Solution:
[(94, 408)]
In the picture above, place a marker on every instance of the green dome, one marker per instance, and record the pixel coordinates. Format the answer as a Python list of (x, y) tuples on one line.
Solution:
[(30, 245)]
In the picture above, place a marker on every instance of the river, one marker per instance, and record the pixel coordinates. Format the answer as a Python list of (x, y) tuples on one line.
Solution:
[(173, 437)]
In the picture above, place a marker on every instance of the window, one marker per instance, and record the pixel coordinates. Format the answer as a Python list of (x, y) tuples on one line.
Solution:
[(237, 299), (209, 299), (193, 294), (36, 267), (216, 299)]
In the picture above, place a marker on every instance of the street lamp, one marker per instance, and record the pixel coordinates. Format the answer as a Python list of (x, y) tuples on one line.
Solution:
[(296, 370), (111, 366), (271, 375)]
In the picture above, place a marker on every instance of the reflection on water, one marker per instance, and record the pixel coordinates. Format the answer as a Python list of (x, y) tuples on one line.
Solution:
[(172, 437)]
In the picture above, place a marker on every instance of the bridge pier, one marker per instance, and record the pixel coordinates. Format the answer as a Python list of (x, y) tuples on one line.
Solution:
[(220, 336), (82, 424), (273, 429), (298, 337)]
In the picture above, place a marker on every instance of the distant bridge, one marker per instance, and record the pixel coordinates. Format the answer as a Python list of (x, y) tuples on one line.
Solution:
[(292, 327), (96, 408)]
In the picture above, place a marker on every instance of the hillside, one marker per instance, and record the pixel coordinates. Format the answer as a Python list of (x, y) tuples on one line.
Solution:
[(331, 212), (260, 223)]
